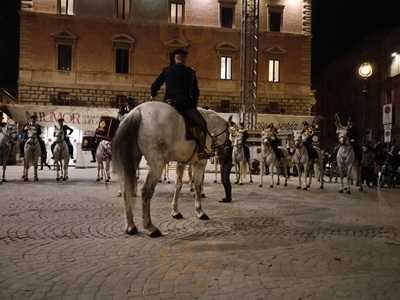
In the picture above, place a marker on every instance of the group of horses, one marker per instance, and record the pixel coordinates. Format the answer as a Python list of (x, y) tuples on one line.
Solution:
[(61, 156), (157, 132)]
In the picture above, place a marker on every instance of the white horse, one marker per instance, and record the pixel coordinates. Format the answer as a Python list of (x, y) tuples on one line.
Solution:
[(157, 131), (304, 163), (32, 153), (8, 135), (61, 154), (346, 161), (103, 157), (269, 158), (240, 159)]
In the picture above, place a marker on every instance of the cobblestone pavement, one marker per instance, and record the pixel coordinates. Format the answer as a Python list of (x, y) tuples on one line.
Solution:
[(66, 241)]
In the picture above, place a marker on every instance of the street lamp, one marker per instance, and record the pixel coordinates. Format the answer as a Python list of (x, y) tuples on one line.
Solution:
[(365, 71)]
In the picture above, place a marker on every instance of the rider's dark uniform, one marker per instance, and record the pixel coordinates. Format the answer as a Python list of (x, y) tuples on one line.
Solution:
[(309, 143), (354, 136), (182, 92), (275, 141)]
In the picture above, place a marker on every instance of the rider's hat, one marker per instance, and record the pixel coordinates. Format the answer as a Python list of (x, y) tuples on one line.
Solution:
[(60, 120), (305, 123), (34, 117), (180, 51)]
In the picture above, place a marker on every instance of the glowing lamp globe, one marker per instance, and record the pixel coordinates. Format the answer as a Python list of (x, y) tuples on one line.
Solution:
[(365, 70)]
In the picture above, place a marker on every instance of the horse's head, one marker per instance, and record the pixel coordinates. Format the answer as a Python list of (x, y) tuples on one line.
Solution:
[(299, 138), (107, 147), (342, 135)]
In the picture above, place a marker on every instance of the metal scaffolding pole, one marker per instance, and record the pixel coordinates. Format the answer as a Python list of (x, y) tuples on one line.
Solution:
[(249, 48)]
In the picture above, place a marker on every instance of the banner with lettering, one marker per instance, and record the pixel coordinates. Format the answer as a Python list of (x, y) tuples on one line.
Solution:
[(80, 117)]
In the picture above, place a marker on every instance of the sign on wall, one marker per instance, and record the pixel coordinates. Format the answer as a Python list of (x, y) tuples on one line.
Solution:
[(80, 117)]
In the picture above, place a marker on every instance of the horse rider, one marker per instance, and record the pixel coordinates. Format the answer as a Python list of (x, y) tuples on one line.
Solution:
[(274, 140), (32, 124), (67, 131), (354, 136), (308, 131), (182, 92), (126, 107)]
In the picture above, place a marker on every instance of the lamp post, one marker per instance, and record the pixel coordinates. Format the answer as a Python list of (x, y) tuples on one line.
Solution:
[(365, 71)]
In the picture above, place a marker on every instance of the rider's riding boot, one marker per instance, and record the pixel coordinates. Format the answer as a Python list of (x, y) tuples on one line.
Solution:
[(203, 152)]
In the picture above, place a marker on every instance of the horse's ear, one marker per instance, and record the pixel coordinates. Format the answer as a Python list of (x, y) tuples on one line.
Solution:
[(230, 119), (337, 121)]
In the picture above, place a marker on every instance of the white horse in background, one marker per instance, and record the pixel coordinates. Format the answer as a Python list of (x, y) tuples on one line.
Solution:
[(61, 154), (103, 157), (32, 153), (269, 158), (240, 159), (8, 136), (346, 162), (304, 164), (156, 131)]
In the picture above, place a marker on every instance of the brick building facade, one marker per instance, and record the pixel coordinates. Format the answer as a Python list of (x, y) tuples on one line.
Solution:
[(341, 90), (86, 52)]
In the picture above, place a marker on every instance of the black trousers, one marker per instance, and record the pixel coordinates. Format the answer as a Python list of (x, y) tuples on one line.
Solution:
[(225, 158), (194, 116)]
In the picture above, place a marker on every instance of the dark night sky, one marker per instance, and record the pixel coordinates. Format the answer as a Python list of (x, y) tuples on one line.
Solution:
[(337, 26)]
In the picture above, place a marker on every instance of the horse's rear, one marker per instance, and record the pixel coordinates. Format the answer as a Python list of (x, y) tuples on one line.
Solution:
[(32, 153)]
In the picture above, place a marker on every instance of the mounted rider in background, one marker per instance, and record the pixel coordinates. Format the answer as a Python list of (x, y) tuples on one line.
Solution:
[(274, 140), (29, 126), (309, 133), (67, 131)]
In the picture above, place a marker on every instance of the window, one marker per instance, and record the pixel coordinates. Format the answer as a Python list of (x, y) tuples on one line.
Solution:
[(226, 16), (273, 70), (226, 67), (394, 69), (64, 57), (122, 60), (66, 7), (176, 13), (123, 8), (275, 18)]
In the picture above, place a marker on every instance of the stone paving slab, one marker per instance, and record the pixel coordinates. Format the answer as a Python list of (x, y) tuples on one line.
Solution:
[(66, 241)]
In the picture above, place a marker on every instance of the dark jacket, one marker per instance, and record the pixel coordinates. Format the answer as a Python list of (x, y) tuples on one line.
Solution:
[(66, 128), (180, 86)]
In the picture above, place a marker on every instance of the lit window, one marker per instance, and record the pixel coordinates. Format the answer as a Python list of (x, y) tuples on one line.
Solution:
[(273, 70), (64, 57), (122, 60), (394, 69), (123, 8), (176, 13), (226, 16), (226, 67), (66, 7)]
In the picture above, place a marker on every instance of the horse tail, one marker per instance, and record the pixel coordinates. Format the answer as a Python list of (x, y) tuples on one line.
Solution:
[(126, 152)]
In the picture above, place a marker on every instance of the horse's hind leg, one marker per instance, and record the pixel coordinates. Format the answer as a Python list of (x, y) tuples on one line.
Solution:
[(262, 168), (180, 169), (66, 165), (108, 176), (4, 170), (299, 174), (249, 165), (198, 175), (129, 200), (35, 169), (147, 193)]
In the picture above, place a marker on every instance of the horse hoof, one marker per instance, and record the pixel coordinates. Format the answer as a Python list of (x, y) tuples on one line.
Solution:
[(305, 189), (241, 183), (361, 189), (308, 186), (26, 179), (260, 185), (341, 191), (348, 192), (107, 180), (278, 183), (203, 195), (4, 180), (131, 230), (285, 184), (204, 217), (215, 181), (251, 181), (169, 181), (299, 187), (36, 179), (178, 216), (57, 179), (98, 179), (101, 178), (65, 179), (155, 233), (271, 186), (321, 187), (192, 190)]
